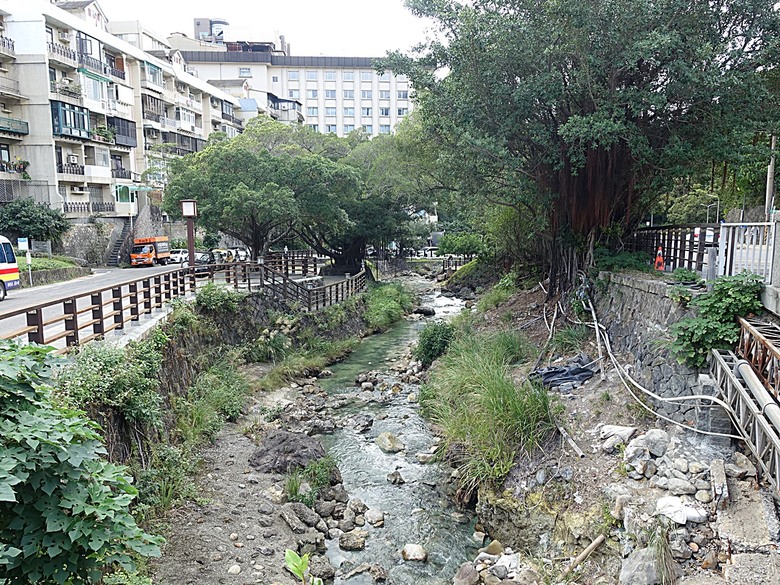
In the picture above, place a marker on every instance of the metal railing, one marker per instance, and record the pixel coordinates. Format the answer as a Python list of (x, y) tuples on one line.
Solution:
[(747, 246), (91, 315), (121, 173), (70, 168), (454, 262), (758, 343), (748, 415), (291, 263), (14, 125), (88, 207), (7, 45), (9, 85), (63, 52)]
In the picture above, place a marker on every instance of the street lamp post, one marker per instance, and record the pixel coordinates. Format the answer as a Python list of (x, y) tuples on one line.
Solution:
[(717, 211), (708, 205), (189, 210)]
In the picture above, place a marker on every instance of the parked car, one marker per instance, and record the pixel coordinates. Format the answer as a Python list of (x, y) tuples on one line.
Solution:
[(709, 235), (203, 260), (178, 256), (240, 254)]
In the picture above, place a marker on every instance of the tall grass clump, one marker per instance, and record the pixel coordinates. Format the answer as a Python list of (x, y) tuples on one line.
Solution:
[(386, 304), (571, 339), (499, 294), (471, 395), (434, 340)]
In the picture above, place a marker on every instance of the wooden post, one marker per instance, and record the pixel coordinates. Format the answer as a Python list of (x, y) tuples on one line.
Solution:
[(35, 319), (157, 292), (71, 323), (134, 312), (98, 327)]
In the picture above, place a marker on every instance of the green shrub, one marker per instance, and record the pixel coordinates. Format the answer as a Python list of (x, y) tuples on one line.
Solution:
[(434, 340), (166, 479), (214, 297), (386, 304), (317, 474), (271, 346), (63, 508), (610, 261), (102, 375), (45, 264), (472, 396), (715, 327), (685, 275), (493, 298)]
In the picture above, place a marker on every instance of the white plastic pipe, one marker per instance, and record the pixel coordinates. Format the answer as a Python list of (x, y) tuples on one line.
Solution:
[(764, 399)]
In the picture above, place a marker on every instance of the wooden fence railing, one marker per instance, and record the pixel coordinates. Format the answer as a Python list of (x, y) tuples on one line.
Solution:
[(81, 318), (683, 246), (758, 344)]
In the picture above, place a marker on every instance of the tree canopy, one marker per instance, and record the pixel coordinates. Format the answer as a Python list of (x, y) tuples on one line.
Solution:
[(579, 114), (27, 219)]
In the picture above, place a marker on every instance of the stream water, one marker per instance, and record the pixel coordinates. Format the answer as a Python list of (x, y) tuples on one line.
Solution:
[(416, 512)]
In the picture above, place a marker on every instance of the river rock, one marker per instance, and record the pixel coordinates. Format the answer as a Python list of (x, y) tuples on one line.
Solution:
[(292, 520), (494, 548), (324, 508), (353, 540), (679, 487), (234, 570), (320, 566), (366, 386), (304, 513), (621, 432), (282, 452), (375, 517), (357, 506), (414, 552), (640, 568), (745, 466), (389, 443), (363, 422), (425, 457), (466, 575)]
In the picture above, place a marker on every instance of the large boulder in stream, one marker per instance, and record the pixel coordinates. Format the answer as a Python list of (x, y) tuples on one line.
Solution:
[(282, 452), (389, 443)]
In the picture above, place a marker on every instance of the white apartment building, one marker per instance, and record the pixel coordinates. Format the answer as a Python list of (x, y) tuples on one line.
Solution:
[(330, 94), (85, 112)]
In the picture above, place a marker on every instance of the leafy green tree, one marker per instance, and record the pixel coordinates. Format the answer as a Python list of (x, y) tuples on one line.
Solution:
[(579, 114), (63, 508), (238, 193), (26, 218), (461, 244)]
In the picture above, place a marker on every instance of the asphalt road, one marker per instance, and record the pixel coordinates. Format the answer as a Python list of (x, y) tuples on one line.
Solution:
[(19, 300)]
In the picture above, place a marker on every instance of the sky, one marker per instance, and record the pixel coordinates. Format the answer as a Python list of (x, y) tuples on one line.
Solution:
[(355, 28)]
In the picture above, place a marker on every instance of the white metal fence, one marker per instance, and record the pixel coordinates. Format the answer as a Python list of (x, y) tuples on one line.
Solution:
[(746, 246)]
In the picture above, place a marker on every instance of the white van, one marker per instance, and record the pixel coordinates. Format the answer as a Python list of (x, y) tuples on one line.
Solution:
[(9, 270)]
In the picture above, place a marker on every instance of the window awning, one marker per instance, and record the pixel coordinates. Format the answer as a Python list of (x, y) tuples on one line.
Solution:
[(94, 76)]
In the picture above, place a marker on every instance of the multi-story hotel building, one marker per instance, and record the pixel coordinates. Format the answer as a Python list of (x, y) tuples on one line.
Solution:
[(330, 94), (89, 117)]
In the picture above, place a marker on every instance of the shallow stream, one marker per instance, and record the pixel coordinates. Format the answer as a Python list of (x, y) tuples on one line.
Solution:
[(416, 512)]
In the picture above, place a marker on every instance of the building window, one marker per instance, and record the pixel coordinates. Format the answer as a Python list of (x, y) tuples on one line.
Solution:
[(348, 128), (403, 94), (330, 111), (384, 128), (49, 35), (245, 72), (293, 75), (366, 76), (330, 94), (69, 120), (402, 77), (384, 94), (349, 111), (331, 129), (311, 94), (368, 128), (349, 94), (314, 127), (154, 75), (5, 153), (348, 75), (330, 76), (311, 76), (275, 79), (365, 111), (312, 111), (294, 93), (385, 76), (403, 111), (366, 94), (384, 111), (95, 90)]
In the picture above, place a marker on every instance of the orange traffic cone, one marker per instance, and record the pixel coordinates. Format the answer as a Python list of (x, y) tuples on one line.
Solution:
[(659, 259)]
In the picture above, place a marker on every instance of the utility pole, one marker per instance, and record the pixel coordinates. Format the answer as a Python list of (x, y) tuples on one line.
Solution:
[(770, 181)]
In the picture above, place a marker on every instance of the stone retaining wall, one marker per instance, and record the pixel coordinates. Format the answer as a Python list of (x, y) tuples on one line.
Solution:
[(638, 314), (41, 277)]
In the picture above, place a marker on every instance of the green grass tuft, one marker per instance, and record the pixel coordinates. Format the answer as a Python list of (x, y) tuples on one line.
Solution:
[(571, 339), (386, 304)]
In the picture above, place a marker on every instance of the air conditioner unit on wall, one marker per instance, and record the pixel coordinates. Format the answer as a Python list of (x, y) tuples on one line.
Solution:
[(64, 36), (79, 191), (73, 159), (152, 134)]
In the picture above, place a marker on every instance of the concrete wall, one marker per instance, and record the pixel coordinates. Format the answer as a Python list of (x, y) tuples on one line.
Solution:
[(91, 240), (638, 314), (41, 277)]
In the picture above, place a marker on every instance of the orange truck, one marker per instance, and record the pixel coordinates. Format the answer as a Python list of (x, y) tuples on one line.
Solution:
[(150, 251)]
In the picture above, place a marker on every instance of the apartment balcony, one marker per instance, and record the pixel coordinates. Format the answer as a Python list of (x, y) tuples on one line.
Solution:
[(81, 208), (14, 126), (9, 86), (7, 47), (118, 108), (233, 119), (62, 54), (91, 63), (122, 174), (97, 174), (68, 93), (12, 167), (70, 169), (188, 102), (101, 138), (169, 95), (149, 84), (114, 72), (168, 122), (152, 116), (17, 188)]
